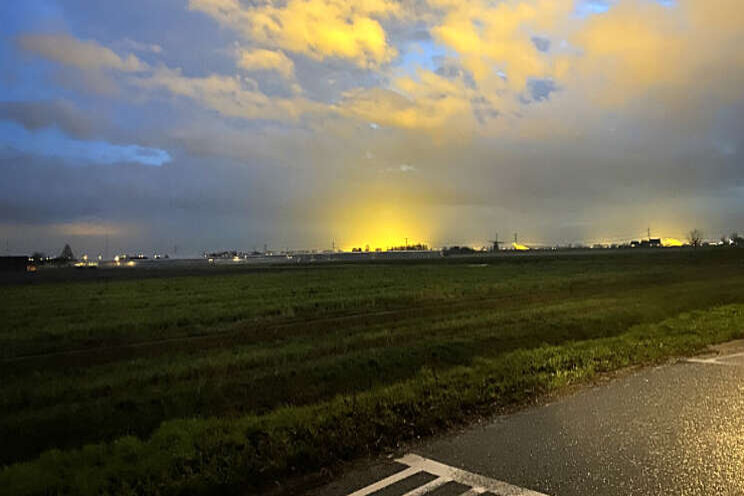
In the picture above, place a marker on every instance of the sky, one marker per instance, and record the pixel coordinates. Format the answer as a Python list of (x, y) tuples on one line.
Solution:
[(179, 126)]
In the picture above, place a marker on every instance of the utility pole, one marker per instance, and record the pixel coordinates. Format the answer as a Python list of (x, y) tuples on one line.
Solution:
[(406, 243), (105, 247), (515, 238), (648, 232)]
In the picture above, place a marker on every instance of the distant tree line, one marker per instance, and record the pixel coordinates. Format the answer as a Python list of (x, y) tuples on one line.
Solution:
[(695, 239), (733, 240), (65, 256), (416, 247), (459, 250)]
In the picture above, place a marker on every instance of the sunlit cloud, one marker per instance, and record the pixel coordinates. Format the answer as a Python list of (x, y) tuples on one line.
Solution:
[(641, 46), (261, 60), (493, 38), (425, 102), (316, 28)]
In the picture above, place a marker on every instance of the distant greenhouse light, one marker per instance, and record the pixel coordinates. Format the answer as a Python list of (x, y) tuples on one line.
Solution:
[(670, 242)]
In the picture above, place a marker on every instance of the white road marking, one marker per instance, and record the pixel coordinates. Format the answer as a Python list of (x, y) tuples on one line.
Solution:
[(718, 360), (386, 481), (428, 487), (478, 483)]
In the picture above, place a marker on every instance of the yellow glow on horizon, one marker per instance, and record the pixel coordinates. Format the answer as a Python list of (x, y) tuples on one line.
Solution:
[(380, 223), (520, 247), (671, 242), (382, 230)]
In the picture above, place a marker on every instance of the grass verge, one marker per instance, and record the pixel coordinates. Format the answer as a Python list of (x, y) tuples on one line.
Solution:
[(232, 456)]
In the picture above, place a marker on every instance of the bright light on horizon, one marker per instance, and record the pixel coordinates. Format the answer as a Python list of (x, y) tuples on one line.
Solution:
[(671, 242)]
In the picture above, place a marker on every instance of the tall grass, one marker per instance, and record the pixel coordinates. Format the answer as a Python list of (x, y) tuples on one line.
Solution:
[(345, 360)]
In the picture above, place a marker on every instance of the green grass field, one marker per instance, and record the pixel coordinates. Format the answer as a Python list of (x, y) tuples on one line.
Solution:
[(223, 383)]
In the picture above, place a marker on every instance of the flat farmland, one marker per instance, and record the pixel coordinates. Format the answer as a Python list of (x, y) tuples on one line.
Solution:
[(225, 382)]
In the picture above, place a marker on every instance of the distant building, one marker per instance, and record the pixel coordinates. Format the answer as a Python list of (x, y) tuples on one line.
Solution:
[(651, 243), (16, 264)]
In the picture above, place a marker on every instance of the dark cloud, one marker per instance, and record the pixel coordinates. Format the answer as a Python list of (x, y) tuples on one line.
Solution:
[(35, 115), (542, 44), (540, 89)]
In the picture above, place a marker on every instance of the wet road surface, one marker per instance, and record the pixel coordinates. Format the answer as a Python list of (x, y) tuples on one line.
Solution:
[(676, 429)]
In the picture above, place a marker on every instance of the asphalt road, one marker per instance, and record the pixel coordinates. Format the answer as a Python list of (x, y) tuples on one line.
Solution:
[(676, 429)]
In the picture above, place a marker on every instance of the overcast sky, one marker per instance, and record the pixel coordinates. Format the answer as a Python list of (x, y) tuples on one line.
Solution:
[(230, 124)]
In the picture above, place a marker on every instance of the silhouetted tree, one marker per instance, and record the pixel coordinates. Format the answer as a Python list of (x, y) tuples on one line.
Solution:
[(695, 238), (67, 253)]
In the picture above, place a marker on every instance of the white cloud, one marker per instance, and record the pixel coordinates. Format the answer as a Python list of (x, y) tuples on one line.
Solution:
[(137, 46)]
